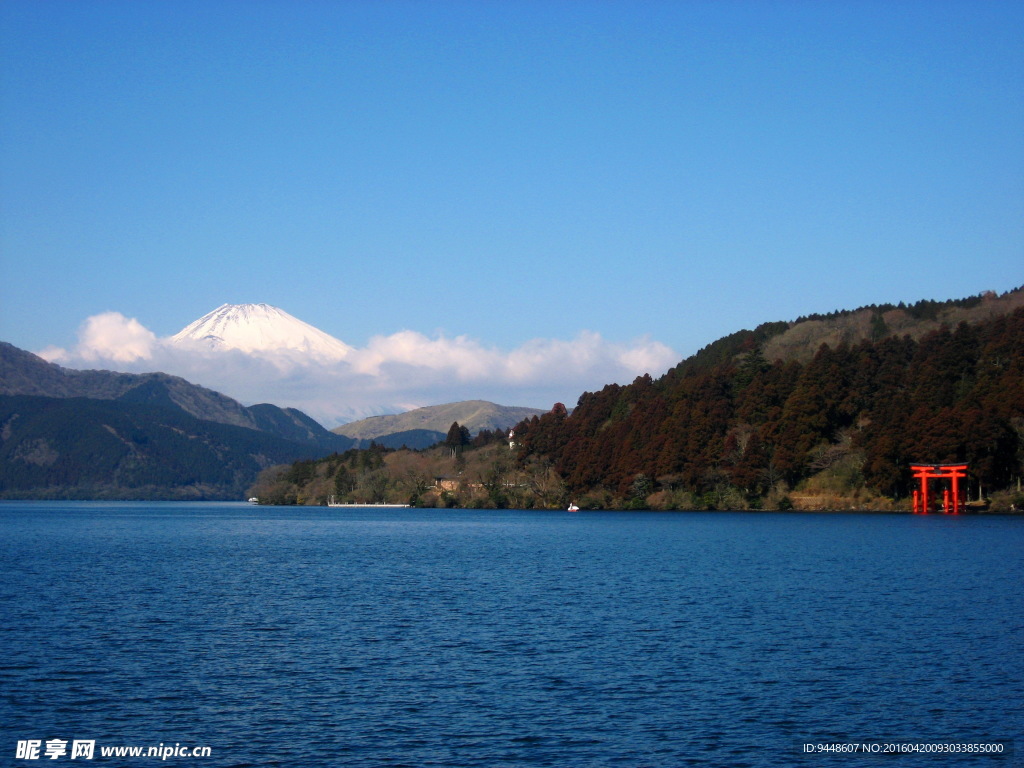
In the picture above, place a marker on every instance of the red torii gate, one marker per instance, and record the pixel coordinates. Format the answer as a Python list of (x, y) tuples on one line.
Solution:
[(926, 472)]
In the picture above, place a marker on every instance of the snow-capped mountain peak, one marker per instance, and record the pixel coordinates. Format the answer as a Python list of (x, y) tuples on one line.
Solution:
[(256, 328)]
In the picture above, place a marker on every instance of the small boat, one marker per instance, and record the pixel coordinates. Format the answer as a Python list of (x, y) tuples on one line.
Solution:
[(573, 507), (253, 500)]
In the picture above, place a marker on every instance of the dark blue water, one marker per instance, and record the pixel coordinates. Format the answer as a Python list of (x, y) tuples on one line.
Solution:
[(329, 637)]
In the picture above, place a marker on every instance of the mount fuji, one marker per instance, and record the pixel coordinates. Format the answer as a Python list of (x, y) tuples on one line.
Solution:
[(256, 328)]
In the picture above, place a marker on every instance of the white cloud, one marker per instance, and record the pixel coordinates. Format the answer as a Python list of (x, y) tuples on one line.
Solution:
[(108, 336), (392, 373), (463, 357), (586, 355)]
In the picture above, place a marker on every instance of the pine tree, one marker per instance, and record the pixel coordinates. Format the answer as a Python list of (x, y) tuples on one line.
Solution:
[(458, 437)]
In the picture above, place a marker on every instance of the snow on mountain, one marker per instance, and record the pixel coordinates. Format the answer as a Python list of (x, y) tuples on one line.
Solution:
[(255, 328)]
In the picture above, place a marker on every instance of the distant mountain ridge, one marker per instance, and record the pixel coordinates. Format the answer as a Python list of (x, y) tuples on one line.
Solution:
[(93, 434), (84, 448), (425, 426), (23, 373)]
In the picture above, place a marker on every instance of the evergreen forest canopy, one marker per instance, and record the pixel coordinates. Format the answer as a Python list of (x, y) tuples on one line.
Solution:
[(745, 432), (755, 421)]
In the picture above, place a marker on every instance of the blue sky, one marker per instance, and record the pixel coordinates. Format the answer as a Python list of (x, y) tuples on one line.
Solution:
[(506, 171)]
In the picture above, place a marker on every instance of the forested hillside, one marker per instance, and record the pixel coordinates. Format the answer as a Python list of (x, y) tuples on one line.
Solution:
[(731, 429), (102, 434), (464, 470), (92, 449), (22, 373), (752, 421)]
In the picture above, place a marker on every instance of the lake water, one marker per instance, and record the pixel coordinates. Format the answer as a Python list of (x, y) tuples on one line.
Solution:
[(362, 637)]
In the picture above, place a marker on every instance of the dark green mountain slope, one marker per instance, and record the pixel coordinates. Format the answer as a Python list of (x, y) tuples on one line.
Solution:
[(22, 373), (294, 425), (102, 434), (87, 448)]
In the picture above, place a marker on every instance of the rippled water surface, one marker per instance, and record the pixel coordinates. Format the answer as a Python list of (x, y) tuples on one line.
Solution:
[(362, 637)]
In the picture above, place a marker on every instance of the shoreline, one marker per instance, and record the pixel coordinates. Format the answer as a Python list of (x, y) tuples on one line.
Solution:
[(242, 502)]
